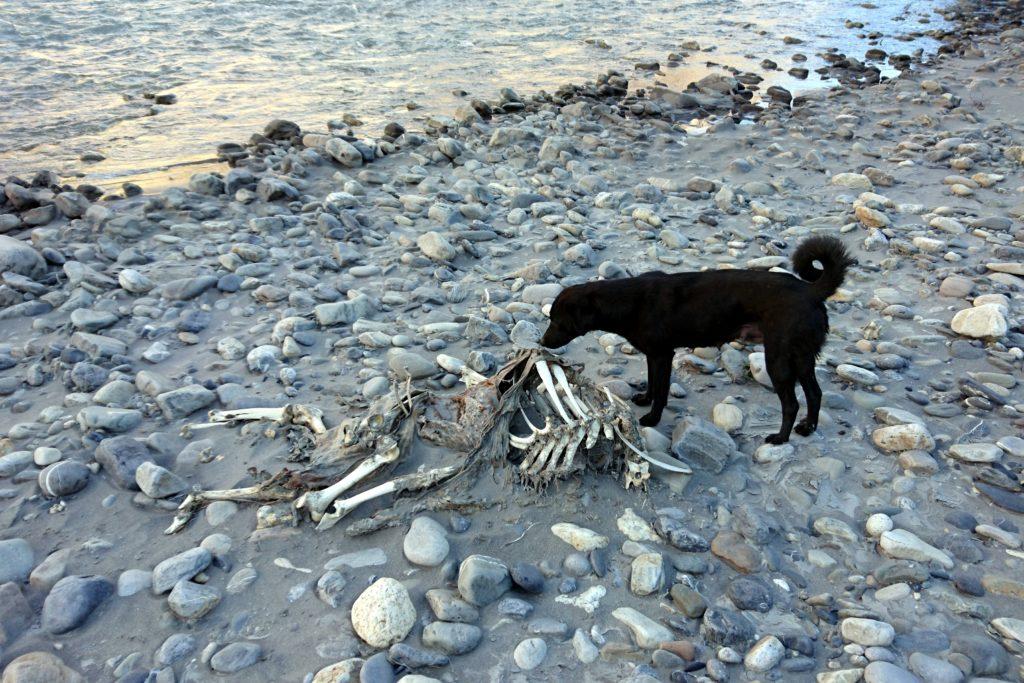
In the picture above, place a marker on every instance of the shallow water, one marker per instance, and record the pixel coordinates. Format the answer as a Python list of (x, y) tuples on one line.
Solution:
[(73, 73)]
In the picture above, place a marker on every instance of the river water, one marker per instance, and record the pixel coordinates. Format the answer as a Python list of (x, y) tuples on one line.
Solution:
[(73, 73)]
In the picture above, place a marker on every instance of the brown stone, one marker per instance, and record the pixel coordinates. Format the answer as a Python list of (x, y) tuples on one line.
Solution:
[(731, 549), (680, 648)]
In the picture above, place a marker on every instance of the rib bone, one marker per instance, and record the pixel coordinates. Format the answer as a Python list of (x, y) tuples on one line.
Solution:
[(545, 377), (317, 502), (409, 482), (563, 382)]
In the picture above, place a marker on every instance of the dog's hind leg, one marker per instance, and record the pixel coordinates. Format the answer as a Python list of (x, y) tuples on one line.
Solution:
[(812, 392), (659, 372), (784, 380)]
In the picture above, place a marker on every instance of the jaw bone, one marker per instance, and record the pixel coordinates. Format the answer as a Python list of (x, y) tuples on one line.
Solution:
[(297, 414)]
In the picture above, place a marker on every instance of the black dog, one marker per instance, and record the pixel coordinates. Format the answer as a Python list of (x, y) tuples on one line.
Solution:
[(659, 312)]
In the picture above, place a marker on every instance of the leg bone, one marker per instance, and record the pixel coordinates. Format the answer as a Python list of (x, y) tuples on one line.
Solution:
[(317, 502), (409, 482)]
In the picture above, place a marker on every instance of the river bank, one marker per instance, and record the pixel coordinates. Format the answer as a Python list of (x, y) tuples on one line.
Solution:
[(324, 269)]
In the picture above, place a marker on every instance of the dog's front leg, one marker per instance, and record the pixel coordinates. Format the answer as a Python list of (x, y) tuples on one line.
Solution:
[(646, 397), (659, 375)]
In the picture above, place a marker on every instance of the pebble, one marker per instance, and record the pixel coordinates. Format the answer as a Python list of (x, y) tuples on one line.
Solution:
[(483, 579), (647, 633), (191, 601), (765, 655), (235, 657), (530, 653), (452, 638), (425, 543), (184, 565)]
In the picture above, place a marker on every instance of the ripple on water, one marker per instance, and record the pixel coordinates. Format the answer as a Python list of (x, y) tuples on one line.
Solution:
[(75, 72)]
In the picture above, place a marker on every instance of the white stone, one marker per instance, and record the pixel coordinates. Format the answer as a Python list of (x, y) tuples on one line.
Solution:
[(904, 545), (647, 574), (1010, 627), (867, 632), (877, 524), (903, 437), (383, 614), (636, 528), (765, 654), (759, 369), (647, 633), (980, 322), (727, 417), (854, 181), (579, 537), (588, 601)]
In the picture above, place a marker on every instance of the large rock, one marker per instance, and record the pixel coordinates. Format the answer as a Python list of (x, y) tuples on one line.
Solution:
[(114, 420), (698, 441), (40, 667), (235, 657), (383, 614), (483, 579), (18, 257), (120, 457), (72, 600), (16, 560), (981, 322)]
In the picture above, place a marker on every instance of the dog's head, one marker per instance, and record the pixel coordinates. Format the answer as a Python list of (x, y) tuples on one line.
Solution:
[(572, 315)]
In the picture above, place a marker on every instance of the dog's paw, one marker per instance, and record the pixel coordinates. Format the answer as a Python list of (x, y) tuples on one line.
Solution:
[(804, 428), (650, 420), (642, 399), (776, 439)]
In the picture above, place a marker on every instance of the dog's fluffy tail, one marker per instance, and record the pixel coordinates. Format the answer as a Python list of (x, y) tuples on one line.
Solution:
[(833, 257)]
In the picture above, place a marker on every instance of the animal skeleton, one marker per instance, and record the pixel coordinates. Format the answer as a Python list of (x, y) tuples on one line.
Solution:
[(493, 420)]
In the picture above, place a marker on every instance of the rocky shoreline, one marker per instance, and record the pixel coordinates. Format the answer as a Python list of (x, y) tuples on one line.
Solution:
[(325, 269)]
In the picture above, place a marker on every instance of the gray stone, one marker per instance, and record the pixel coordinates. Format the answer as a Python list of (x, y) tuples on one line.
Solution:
[(884, 672), (187, 288), (158, 482), (530, 653), (934, 670), (16, 614), (448, 606), (452, 638), (63, 478), (483, 579), (184, 565), (185, 401), (189, 600), (16, 560), (115, 420), (727, 628), (120, 457), (426, 543), (19, 257), (407, 365), (698, 441), (330, 586), (235, 657), (132, 581), (175, 648), (72, 600)]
